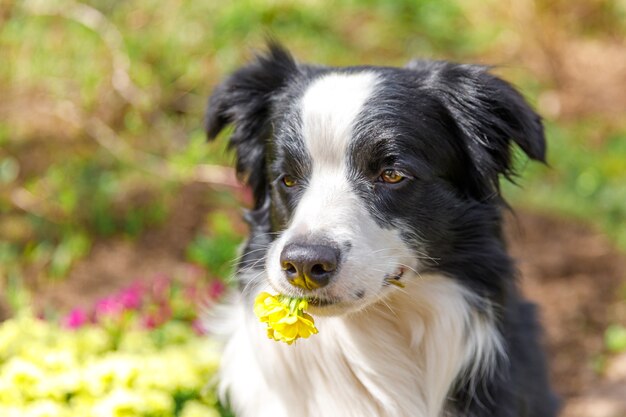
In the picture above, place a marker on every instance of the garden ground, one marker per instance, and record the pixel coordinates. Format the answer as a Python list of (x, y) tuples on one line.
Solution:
[(89, 164), (571, 270)]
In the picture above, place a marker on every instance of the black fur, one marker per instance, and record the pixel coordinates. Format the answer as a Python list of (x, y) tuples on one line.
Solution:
[(244, 100), (452, 128)]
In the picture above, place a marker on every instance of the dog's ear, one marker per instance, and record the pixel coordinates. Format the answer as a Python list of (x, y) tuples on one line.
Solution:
[(490, 115), (245, 101)]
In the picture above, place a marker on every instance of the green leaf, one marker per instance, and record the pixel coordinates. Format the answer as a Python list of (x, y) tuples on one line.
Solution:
[(615, 338)]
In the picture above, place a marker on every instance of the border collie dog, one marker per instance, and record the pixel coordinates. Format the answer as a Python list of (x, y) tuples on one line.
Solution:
[(369, 176)]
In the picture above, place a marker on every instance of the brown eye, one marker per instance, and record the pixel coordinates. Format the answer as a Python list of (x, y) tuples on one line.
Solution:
[(289, 181), (391, 176)]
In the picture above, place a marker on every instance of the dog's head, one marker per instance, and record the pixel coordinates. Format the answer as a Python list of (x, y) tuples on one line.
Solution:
[(370, 175)]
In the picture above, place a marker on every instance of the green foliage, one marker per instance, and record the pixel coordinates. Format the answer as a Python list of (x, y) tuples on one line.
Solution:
[(216, 252), (101, 122), (101, 119), (615, 338), (8, 170), (581, 180), (108, 100)]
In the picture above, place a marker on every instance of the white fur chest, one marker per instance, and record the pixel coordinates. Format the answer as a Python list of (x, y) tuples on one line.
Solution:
[(397, 358)]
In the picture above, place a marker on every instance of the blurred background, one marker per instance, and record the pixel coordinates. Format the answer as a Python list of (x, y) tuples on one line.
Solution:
[(118, 221)]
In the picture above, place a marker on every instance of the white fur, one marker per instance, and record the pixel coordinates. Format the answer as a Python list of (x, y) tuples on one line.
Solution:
[(399, 357), (330, 105)]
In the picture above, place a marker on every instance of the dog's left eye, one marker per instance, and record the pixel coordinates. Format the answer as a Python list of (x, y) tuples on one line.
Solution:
[(289, 181), (391, 176)]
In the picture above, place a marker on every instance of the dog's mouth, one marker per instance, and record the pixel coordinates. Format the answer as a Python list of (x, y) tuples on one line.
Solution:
[(321, 302), (394, 278)]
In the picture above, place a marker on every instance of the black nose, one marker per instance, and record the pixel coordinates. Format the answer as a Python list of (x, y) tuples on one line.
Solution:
[(309, 266)]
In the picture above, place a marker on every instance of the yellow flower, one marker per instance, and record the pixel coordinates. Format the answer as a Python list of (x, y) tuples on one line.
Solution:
[(23, 375), (195, 408), (285, 317), (269, 308), (46, 408), (118, 403), (11, 411)]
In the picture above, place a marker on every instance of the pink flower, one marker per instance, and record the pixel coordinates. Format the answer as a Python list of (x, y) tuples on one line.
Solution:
[(108, 307), (131, 298), (156, 318), (198, 327), (150, 322), (191, 292), (75, 319), (216, 289)]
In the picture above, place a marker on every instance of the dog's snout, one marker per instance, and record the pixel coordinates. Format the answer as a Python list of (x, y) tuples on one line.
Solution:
[(309, 266)]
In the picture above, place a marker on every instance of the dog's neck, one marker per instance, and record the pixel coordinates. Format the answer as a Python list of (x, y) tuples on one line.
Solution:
[(399, 357)]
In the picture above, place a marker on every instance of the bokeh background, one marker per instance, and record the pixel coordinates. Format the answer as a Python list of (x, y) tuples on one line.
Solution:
[(118, 221)]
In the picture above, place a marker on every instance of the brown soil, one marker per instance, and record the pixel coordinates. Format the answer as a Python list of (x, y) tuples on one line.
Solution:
[(112, 264), (572, 271), (574, 274)]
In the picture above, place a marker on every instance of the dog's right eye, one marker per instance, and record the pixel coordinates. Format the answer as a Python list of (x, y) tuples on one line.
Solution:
[(289, 181), (392, 176)]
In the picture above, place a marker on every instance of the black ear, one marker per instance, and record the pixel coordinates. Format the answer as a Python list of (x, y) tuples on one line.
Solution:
[(245, 100), (490, 115)]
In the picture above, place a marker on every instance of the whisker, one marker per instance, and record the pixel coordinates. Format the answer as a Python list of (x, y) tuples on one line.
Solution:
[(430, 258), (238, 258), (389, 307), (252, 281), (418, 252), (252, 265), (251, 261)]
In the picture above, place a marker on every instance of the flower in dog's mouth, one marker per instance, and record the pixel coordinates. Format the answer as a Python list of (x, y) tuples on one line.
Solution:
[(285, 317)]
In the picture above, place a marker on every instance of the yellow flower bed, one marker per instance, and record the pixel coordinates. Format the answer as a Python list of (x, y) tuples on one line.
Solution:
[(50, 371), (285, 317)]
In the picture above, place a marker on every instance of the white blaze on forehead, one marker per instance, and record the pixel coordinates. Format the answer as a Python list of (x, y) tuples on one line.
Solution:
[(330, 107)]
